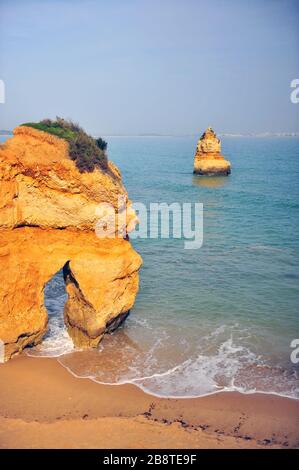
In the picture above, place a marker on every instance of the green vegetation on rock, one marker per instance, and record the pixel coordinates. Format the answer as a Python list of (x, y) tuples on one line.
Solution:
[(86, 151)]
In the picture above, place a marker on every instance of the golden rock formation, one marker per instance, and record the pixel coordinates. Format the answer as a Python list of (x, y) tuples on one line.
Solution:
[(48, 214), (208, 159)]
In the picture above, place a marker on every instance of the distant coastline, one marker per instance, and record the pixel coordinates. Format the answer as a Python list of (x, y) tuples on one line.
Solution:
[(262, 134), (221, 134), (6, 132)]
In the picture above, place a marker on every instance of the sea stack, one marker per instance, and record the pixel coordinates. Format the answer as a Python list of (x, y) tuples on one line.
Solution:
[(208, 159), (49, 210)]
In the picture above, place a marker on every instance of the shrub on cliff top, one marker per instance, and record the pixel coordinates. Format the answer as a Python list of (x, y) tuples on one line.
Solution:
[(86, 151)]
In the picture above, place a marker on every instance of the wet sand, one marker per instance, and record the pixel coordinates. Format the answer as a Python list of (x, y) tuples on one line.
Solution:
[(42, 405)]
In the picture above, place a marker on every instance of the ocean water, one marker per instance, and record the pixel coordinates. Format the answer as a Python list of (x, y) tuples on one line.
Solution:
[(218, 318)]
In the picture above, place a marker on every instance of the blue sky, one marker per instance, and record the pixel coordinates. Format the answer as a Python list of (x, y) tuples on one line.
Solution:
[(142, 66)]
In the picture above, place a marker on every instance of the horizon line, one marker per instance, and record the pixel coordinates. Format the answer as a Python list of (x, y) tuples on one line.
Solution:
[(6, 132)]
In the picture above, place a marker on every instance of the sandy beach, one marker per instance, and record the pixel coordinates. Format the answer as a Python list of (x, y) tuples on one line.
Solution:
[(45, 406)]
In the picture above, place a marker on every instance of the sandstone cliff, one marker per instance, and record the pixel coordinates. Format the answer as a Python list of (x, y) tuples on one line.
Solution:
[(208, 159), (48, 214)]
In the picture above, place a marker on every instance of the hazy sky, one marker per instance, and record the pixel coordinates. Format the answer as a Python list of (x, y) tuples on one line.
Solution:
[(142, 66)]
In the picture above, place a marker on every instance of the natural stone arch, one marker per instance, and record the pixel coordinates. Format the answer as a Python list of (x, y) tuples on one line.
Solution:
[(48, 215), (101, 283)]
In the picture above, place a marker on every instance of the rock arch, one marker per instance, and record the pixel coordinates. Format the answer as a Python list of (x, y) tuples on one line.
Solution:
[(48, 212), (101, 282)]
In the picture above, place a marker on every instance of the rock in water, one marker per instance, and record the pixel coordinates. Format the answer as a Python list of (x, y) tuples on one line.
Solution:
[(208, 159), (48, 214)]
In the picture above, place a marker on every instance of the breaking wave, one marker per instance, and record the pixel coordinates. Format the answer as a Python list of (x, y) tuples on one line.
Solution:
[(166, 365)]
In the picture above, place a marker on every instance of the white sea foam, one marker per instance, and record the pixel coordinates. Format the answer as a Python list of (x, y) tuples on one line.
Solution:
[(232, 367), (191, 380), (199, 375), (164, 360), (56, 341)]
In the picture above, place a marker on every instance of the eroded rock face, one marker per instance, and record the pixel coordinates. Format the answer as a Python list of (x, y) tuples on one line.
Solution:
[(41, 186), (208, 159), (48, 214)]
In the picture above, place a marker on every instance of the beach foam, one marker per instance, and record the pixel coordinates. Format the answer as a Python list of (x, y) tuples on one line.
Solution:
[(218, 362)]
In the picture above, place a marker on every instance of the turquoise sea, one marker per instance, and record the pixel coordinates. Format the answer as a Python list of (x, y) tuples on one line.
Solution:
[(218, 318)]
